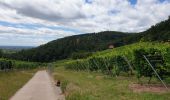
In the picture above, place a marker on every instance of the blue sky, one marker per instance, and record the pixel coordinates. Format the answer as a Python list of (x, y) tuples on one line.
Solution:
[(27, 23), (133, 2)]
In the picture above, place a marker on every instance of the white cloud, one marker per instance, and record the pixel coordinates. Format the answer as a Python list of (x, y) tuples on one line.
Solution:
[(22, 36), (94, 16)]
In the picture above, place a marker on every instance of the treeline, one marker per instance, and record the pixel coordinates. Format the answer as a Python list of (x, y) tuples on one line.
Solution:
[(65, 47), (158, 32), (1, 53), (6, 65)]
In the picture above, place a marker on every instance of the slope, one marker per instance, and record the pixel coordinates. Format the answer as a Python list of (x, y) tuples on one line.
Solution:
[(64, 47)]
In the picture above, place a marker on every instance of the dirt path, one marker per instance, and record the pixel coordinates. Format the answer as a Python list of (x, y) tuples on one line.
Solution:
[(40, 87)]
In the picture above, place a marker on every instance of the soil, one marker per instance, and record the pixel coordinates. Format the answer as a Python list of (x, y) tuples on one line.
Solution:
[(155, 88)]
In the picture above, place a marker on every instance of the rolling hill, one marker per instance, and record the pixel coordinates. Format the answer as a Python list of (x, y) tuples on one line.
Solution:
[(158, 32), (64, 47)]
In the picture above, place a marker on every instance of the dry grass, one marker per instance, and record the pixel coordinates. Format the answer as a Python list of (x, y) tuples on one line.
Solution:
[(155, 88), (11, 81)]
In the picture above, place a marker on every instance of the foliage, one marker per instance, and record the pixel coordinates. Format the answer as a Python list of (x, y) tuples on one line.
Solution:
[(6, 64), (121, 65), (158, 32), (80, 55), (107, 65), (77, 65), (1, 53), (26, 65), (167, 57), (155, 58), (65, 47), (113, 62)]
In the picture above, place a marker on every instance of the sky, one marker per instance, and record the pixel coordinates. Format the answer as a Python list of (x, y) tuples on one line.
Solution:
[(36, 22)]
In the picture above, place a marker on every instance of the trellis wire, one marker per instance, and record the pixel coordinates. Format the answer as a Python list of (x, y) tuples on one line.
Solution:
[(155, 71), (126, 59)]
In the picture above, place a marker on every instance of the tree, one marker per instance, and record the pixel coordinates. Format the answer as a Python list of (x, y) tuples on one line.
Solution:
[(1, 53)]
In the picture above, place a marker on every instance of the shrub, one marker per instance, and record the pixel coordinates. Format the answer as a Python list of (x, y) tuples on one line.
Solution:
[(121, 65), (6, 64), (155, 58)]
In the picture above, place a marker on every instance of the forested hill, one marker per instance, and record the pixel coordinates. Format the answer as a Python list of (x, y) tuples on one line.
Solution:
[(158, 32), (64, 47)]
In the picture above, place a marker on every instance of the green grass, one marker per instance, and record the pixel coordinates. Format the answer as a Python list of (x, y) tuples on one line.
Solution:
[(96, 86), (11, 81)]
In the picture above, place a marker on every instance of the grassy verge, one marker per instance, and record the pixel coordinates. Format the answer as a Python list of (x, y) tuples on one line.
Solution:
[(11, 81), (96, 86)]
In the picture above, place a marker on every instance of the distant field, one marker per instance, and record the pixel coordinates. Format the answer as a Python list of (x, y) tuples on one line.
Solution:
[(15, 47), (11, 81), (96, 86)]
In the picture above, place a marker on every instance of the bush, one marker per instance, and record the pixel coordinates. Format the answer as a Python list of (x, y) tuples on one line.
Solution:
[(167, 58), (155, 58), (14, 64), (6, 64), (106, 65), (121, 65), (25, 65), (113, 60)]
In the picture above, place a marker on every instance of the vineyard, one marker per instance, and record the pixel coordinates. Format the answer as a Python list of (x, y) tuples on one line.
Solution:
[(128, 60), (6, 65)]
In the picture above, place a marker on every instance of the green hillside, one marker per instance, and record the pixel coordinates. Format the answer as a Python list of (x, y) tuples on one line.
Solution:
[(127, 51), (105, 73), (64, 47), (92, 42), (158, 32)]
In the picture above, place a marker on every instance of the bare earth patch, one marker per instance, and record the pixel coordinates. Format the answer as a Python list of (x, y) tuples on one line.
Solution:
[(156, 88), (99, 77)]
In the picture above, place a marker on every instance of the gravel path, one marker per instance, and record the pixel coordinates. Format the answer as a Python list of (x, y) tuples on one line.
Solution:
[(40, 87)]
